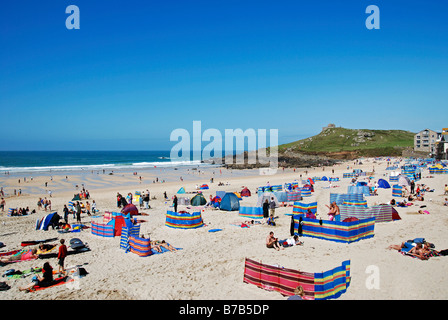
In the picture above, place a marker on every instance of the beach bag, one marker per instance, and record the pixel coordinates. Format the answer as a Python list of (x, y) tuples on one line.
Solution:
[(4, 286)]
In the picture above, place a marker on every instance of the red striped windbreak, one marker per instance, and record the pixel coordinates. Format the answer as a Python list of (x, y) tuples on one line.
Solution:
[(278, 279)]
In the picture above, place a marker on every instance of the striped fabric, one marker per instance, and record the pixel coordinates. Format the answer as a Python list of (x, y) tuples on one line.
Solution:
[(365, 190), (282, 280), (251, 212), (345, 232), (349, 175), (333, 283), (305, 192), (126, 233), (382, 213), (317, 286), (393, 178), (10, 210), (339, 198), (103, 230), (396, 190), (275, 188), (300, 207), (435, 170), (334, 179), (293, 196), (353, 203), (140, 246), (281, 196), (183, 220)]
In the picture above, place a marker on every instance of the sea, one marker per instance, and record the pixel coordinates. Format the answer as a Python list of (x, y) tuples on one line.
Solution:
[(20, 162)]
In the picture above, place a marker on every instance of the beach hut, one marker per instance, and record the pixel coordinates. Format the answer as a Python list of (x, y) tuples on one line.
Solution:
[(182, 220), (198, 200), (230, 202)]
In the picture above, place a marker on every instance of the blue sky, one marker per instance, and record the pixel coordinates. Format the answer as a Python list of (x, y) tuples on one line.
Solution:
[(137, 70)]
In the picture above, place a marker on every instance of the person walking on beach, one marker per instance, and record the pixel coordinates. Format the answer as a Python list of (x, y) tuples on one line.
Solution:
[(175, 203), (3, 204), (61, 256)]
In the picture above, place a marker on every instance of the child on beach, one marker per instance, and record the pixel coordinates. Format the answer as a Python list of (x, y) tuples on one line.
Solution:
[(61, 256)]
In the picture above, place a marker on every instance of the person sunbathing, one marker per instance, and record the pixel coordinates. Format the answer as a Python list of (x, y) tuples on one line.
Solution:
[(26, 255), (162, 244), (416, 250)]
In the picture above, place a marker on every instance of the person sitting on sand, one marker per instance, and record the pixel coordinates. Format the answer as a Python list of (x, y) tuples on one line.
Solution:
[(272, 242), (44, 281), (446, 202), (271, 221)]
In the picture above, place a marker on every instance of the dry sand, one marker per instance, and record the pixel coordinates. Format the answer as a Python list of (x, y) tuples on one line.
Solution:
[(211, 264)]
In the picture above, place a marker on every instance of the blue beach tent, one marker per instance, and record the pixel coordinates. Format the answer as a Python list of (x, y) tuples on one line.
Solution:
[(230, 202), (383, 184)]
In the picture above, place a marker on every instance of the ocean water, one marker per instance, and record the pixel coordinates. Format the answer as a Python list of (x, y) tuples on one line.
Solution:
[(57, 161)]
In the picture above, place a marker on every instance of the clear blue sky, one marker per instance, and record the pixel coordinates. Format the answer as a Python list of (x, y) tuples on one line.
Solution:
[(136, 70)]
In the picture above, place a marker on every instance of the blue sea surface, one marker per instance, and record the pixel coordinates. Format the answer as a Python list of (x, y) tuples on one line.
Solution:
[(48, 161)]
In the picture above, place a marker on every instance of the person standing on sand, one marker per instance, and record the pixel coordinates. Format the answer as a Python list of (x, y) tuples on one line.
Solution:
[(175, 203), (78, 212), (266, 210), (62, 253), (66, 212)]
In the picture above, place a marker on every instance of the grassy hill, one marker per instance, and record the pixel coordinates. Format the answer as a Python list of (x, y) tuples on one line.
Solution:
[(345, 143)]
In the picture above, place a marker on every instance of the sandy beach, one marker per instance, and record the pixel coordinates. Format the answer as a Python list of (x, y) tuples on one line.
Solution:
[(210, 265)]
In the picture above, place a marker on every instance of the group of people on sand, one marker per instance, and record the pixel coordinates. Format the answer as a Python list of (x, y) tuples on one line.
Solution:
[(419, 248), (44, 204), (334, 211), (273, 242)]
